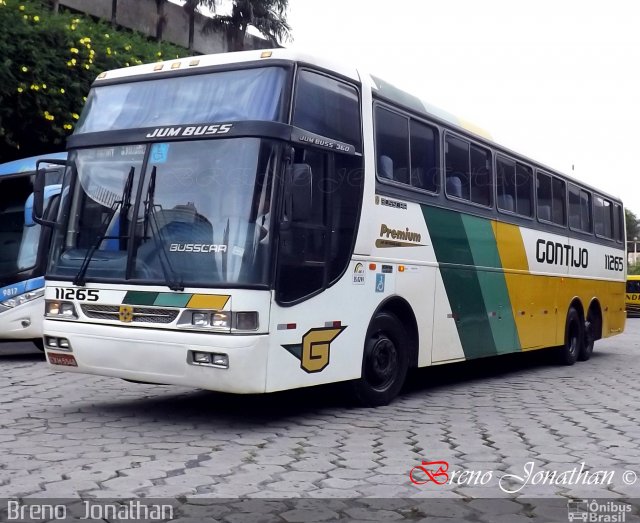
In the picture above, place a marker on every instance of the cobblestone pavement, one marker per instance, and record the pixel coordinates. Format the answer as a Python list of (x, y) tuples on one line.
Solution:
[(65, 435)]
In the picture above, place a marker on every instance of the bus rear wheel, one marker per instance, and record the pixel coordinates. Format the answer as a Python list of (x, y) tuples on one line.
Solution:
[(591, 326), (384, 362), (573, 338)]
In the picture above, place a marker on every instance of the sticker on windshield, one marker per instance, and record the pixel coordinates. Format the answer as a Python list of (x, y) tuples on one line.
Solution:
[(159, 152)]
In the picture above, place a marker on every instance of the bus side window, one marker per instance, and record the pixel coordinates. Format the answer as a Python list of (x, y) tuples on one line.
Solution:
[(551, 199), (392, 146), (424, 160), (579, 209), (603, 221), (506, 173), (524, 189), (457, 168)]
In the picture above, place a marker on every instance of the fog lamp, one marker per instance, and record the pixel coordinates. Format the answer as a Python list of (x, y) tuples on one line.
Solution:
[(221, 360), (201, 357)]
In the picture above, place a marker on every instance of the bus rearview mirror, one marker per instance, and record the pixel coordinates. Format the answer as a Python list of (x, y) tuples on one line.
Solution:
[(300, 192), (39, 191)]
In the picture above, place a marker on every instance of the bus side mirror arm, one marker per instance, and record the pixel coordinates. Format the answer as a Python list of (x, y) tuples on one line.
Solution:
[(38, 192)]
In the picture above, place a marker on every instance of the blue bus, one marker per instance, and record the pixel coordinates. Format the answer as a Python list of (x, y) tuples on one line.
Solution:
[(24, 246)]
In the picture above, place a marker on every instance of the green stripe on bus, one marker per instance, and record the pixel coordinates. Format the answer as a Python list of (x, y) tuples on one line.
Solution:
[(140, 298), (451, 246), (168, 299), (484, 248)]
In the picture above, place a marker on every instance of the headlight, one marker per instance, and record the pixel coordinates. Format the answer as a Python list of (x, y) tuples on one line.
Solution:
[(246, 321), (60, 309), (221, 320), (23, 298), (200, 319)]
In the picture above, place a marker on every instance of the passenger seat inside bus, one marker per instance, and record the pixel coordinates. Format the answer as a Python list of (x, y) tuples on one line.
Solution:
[(506, 202), (454, 186), (544, 212), (385, 167)]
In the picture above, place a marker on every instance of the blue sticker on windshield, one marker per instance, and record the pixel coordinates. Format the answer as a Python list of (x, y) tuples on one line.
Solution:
[(159, 152)]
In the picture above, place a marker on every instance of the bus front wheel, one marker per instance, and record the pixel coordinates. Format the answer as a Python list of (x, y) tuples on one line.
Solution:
[(573, 338), (384, 362)]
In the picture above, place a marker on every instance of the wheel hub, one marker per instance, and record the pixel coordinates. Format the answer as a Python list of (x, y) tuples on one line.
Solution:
[(383, 363)]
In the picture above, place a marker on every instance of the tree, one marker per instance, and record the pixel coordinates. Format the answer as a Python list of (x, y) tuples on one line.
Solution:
[(55, 6), (161, 19), (267, 16), (114, 12), (632, 224), (191, 7), (48, 66)]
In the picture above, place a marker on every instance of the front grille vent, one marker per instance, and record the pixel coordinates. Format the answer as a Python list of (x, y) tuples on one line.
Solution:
[(140, 314)]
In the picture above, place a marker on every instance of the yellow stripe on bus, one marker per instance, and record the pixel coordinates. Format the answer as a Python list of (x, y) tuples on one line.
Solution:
[(208, 301), (540, 319)]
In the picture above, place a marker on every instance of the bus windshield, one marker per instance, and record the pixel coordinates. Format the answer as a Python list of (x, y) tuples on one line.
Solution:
[(247, 94), (197, 216), (18, 241)]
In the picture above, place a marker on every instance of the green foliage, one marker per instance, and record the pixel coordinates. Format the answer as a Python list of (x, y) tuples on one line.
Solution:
[(47, 65), (268, 16), (633, 268)]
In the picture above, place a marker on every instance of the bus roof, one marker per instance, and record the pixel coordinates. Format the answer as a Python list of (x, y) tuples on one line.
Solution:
[(353, 73), (28, 164), (380, 86)]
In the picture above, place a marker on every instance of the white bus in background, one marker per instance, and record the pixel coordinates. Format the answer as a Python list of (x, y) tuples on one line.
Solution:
[(260, 221), (24, 247)]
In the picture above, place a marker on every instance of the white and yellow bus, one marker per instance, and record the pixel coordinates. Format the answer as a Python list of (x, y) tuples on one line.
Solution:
[(267, 220)]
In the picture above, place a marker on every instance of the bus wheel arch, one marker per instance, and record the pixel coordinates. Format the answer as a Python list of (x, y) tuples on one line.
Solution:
[(592, 329), (401, 309), (387, 353)]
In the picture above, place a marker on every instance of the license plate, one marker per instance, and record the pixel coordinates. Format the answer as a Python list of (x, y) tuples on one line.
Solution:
[(62, 359)]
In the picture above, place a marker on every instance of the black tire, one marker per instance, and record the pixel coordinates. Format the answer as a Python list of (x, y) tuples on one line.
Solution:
[(384, 362), (573, 338), (591, 326), (38, 343)]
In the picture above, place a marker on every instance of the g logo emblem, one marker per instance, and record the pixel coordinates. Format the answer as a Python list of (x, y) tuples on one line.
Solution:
[(315, 349), (125, 313)]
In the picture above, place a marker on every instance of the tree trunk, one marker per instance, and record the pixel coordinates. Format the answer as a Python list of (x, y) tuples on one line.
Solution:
[(161, 20), (55, 6), (192, 24), (114, 11), (238, 38)]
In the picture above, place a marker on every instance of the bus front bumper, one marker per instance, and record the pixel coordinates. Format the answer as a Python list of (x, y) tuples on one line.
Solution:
[(23, 322), (162, 356)]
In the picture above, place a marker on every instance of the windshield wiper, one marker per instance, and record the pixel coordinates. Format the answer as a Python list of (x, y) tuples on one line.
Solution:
[(170, 276), (124, 203)]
